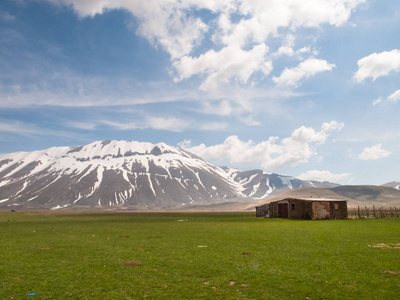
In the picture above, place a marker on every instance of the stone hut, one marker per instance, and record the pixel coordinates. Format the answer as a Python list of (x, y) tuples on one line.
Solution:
[(308, 208)]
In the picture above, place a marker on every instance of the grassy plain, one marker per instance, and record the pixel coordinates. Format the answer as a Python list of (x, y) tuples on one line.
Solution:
[(195, 255)]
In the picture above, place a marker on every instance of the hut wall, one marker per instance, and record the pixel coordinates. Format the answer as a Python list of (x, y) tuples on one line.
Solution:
[(299, 209), (273, 208), (329, 210), (321, 210), (339, 210), (262, 211)]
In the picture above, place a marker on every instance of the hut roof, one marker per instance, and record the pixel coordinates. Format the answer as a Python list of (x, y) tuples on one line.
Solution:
[(309, 199)]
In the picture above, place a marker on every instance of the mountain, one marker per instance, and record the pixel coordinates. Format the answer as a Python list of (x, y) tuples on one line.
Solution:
[(129, 175), (259, 184), (110, 173)]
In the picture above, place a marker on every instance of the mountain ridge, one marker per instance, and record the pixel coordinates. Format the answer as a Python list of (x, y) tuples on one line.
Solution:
[(117, 174), (127, 174)]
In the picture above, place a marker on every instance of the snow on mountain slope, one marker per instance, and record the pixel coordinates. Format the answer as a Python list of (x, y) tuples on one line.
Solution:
[(259, 184), (393, 184), (110, 173), (126, 174)]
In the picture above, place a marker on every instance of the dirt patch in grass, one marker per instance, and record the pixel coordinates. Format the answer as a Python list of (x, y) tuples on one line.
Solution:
[(386, 245), (45, 249), (133, 263), (392, 272)]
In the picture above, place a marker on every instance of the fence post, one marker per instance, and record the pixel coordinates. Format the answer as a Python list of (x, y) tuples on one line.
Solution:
[(367, 212), (358, 209), (373, 209)]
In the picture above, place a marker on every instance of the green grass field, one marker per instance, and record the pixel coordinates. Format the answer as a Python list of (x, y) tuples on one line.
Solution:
[(195, 255)]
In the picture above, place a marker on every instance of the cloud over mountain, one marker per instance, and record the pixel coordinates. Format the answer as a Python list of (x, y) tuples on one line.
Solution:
[(291, 151), (322, 176), (374, 153)]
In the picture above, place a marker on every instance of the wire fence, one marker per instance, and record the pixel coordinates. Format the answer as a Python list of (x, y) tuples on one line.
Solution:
[(375, 213)]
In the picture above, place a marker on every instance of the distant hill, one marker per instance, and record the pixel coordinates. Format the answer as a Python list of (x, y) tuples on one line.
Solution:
[(370, 194), (363, 195), (393, 184)]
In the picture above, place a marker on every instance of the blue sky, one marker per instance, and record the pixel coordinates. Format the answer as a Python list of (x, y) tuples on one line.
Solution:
[(309, 88)]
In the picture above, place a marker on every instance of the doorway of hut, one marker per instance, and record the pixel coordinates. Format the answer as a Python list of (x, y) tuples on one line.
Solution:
[(283, 210)]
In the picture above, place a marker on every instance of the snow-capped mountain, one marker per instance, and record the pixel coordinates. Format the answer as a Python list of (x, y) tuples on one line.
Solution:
[(259, 184), (128, 174)]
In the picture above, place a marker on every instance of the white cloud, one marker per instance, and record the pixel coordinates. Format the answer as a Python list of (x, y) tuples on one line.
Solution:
[(374, 153), (214, 126), (323, 176), (377, 101), (332, 125), (237, 151), (291, 151), (159, 123), (238, 31), (71, 89), (299, 147), (28, 129), (245, 103), (287, 48), (120, 95), (121, 125), (393, 98), (377, 65), (170, 124), (82, 125), (220, 67), (18, 127), (167, 23), (185, 144), (221, 108), (5, 16), (304, 70), (260, 19)]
